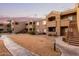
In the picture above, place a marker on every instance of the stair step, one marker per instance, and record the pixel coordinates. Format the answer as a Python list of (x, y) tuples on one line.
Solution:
[(73, 37), (74, 44), (74, 40)]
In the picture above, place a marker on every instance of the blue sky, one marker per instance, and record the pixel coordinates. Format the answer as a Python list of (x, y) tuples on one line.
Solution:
[(31, 9)]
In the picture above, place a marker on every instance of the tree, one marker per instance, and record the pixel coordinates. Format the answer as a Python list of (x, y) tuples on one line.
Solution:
[(9, 27)]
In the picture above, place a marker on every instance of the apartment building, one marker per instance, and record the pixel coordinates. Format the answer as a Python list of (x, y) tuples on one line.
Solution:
[(30, 26), (58, 22), (72, 36), (4, 25), (40, 26), (65, 23), (14, 24), (53, 23), (23, 24), (18, 26)]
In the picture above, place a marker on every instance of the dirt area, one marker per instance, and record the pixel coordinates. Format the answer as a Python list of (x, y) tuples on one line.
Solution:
[(35, 43), (3, 50)]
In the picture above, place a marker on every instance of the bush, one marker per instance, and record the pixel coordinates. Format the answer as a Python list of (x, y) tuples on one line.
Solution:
[(33, 33), (9, 30), (50, 35), (0, 31)]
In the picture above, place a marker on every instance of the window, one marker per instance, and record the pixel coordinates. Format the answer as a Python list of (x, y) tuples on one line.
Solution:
[(16, 23), (51, 18), (30, 23), (26, 24), (70, 18), (8, 25), (30, 29), (26, 29), (33, 22), (51, 29), (44, 22), (1, 30), (37, 23)]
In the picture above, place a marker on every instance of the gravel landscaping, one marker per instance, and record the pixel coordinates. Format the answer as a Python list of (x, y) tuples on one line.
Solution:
[(3, 50), (35, 43)]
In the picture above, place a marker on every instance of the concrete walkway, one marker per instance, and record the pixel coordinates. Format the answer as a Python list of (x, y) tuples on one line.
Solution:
[(66, 49), (14, 48)]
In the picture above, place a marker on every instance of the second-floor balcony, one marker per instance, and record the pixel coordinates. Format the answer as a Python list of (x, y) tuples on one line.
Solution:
[(51, 19), (65, 22), (53, 23)]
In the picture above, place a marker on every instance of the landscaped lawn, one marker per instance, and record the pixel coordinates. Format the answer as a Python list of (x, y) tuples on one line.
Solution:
[(3, 50), (35, 43)]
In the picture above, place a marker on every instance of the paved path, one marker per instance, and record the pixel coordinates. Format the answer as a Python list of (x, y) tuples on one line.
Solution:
[(66, 49), (14, 48)]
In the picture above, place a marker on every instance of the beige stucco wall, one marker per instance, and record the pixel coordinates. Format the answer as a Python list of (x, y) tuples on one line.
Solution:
[(65, 22), (41, 27), (58, 24), (51, 23), (54, 23), (19, 27)]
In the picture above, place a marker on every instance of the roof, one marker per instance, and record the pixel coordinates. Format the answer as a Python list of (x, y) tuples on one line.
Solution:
[(68, 11), (53, 13)]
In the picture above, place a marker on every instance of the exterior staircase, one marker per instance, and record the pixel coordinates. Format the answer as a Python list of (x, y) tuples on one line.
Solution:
[(73, 34)]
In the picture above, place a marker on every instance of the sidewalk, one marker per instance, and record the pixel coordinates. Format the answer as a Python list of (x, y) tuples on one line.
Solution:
[(66, 49), (14, 48)]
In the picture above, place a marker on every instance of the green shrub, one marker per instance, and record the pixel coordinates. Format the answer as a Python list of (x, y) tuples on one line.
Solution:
[(33, 33)]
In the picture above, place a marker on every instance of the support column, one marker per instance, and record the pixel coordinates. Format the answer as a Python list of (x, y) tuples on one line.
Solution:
[(58, 24), (78, 19)]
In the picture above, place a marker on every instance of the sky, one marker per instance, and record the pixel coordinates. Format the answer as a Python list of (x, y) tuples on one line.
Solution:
[(31, 9)]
